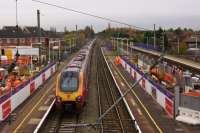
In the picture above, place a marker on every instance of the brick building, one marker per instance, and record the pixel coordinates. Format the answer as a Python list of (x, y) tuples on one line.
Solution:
[(26, 35)]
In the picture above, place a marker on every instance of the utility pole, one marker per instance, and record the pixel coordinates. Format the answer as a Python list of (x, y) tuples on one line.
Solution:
[(39, 33), (115, 44), (17, 26), (38, 22), (196, 43), (127, 46), (178, 46), (122, 46), (154, 35), (53, 52), (76, 34), (70, 45), (59, 50), (49, 52), (131, 46), (163, 48)]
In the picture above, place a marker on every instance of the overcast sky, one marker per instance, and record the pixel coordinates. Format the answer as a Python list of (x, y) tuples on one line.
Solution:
[(143, 13)]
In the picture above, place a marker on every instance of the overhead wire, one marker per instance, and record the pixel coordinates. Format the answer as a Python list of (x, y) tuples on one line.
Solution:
[(91, 15)]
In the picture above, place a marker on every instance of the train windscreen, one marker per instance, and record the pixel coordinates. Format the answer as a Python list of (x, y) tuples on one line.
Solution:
[(69, 81)]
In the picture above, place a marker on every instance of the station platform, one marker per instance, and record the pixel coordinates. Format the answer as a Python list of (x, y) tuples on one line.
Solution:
[(183, 61), (30, 113), (154, 114)]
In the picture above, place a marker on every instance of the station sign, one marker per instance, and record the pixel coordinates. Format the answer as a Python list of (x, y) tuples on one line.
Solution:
[(27, 51)]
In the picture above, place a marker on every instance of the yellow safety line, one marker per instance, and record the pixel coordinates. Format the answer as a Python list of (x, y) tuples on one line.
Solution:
[(158, 128), (18, 127)]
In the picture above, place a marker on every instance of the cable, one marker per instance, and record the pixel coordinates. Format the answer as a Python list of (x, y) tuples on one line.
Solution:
[(91, 15)]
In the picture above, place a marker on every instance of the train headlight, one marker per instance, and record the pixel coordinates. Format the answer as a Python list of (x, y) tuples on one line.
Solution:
[(78, 98), (58, 99)]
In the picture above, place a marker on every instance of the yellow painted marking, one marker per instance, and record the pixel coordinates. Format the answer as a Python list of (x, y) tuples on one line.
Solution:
[(158, 128), (18, 127), (34, 121), (133, 102), (122, 84), (139, 111)]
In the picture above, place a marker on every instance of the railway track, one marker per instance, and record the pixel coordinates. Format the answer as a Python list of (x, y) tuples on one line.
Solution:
[(60, 122), (118, 119)]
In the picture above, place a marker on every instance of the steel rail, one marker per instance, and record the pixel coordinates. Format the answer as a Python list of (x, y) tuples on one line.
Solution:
[(112, 95)]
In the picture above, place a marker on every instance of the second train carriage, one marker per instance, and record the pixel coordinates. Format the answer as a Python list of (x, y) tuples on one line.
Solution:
[(72, 82)]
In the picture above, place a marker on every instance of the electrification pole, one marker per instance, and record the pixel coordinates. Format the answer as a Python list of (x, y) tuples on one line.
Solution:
[(178, 45), (154, 35), (76, 34)]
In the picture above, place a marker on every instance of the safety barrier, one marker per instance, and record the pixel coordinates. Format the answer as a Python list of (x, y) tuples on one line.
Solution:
[(18, 95), (157, 91)]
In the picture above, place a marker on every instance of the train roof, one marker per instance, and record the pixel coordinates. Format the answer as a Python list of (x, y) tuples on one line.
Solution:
[(77, 62), (74, 69)]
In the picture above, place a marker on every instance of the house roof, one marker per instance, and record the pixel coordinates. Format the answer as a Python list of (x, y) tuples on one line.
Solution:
[(11, 32), (33, 30), (25, 32)]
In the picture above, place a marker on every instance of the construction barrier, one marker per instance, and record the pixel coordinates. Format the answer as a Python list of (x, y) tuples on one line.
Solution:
[(189, 116), (157, 91), (10, 101)]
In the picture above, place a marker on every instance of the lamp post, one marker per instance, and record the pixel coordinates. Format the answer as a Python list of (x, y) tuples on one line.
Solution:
[(74, 42), (154, 36), (76, 35), (127, 44), (49, 53), (163, 48), (147, 41), (121, 49), (51, 42), (178, 45), (70, 42), (17, 54), (59, 50), (31, 58), (163, 39), (114, 43), (196, 41), (131, 45), (117, 44)]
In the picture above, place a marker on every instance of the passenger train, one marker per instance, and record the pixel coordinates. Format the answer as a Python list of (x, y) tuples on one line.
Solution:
[(72, 82)]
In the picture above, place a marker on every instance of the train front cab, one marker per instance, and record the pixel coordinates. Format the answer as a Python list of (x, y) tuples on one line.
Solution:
[(73, 97)]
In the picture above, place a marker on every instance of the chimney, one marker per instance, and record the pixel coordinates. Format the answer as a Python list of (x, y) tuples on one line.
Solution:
[(38, 22)]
